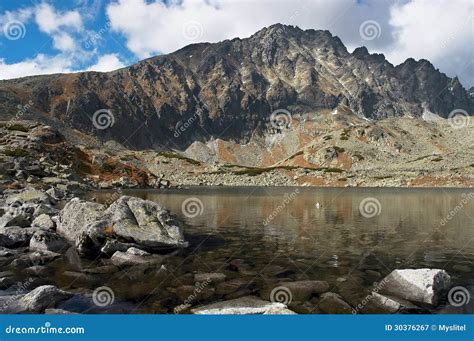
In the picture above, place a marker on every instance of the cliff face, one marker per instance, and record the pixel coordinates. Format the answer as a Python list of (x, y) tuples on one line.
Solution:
[(228, 90)]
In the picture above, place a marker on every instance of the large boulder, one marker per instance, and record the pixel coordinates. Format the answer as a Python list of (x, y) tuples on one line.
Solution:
[(242, 306), (143, 223), (76, 216), (417, 285), (46, 296)]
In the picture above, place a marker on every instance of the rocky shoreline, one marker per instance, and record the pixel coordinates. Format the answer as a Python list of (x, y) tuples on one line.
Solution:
[(36, 155), (62, 254)]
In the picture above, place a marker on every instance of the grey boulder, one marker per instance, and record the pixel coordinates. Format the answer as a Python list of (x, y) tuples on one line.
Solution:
[(241, 306), (417, 285), (50, 241), (15, 236), (43, 221), (143, 223), (46, 296)]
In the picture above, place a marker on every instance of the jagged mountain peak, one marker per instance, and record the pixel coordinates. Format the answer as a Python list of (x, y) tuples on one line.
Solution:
[(234, 86)]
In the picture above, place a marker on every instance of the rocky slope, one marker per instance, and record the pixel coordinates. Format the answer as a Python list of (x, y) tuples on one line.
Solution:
[(229, 90)]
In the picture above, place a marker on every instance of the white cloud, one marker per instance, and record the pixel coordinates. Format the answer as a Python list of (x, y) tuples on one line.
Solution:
[(430, 29), (153, 27), (64, 42), (108, 62), (22, 15), (39, 65), (51, 21), (440, 31)]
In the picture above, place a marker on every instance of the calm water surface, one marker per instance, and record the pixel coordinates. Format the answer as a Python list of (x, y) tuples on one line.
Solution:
[(316, 233)]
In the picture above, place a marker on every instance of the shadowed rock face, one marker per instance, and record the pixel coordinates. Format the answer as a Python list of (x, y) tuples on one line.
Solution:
[(229, 89)]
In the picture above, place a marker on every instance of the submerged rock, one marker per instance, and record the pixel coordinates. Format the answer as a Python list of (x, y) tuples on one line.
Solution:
[(120, 258), (191, 293), (240, 306), (381, 304), (213, 277), (234, 285), (332, 303), (303, 290), (46, 296), (417, 285)]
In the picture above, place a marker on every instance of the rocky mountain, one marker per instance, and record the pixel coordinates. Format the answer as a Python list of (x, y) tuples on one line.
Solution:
[(229, 90)]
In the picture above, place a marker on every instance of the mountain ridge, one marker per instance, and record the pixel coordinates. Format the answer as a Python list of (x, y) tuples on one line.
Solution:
[(230, 89)]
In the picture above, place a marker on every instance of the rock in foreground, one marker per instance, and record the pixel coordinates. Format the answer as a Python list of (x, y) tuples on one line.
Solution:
[(142, 223), (43, 297), (242, 306), (417, 285)]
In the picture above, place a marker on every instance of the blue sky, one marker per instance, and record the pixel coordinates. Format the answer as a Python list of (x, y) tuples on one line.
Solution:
[(48, 36)]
